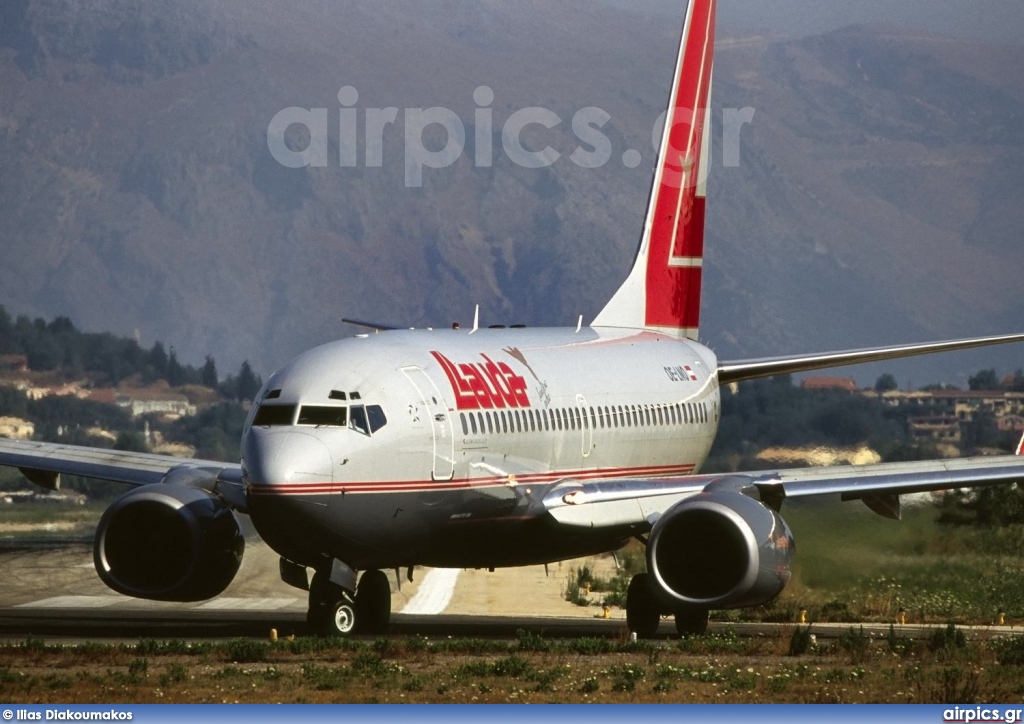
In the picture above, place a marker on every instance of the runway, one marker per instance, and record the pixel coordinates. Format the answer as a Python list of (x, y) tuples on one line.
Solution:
[(53, 593), (71, 625)]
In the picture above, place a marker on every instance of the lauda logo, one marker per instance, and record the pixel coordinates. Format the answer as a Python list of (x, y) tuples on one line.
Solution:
[(484, 385)]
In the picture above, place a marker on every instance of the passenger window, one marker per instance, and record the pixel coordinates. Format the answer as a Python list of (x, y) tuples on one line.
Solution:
[(357, 417), (504, 422), (490, 424), (377, 417), (465, 425)]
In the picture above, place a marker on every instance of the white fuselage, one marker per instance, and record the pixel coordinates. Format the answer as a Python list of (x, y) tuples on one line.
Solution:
[(449, 428)]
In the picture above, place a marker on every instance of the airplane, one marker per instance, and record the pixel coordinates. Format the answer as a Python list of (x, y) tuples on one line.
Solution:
[(487, 448)]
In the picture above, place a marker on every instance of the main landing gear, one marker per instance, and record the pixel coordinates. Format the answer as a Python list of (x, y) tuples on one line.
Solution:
[(643, 611), (335, 611)]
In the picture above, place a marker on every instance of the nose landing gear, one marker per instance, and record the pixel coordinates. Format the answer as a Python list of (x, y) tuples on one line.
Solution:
[(336, 610)]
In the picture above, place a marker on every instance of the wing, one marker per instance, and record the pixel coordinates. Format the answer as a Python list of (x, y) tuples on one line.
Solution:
[(739, 370), (635, 505), (43, 463)]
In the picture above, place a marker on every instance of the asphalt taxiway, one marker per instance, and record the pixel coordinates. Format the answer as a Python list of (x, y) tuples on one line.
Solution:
[(53, 593)]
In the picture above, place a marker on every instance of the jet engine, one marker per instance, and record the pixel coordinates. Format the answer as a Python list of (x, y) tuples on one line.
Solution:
[(168, 542), (719, 549)]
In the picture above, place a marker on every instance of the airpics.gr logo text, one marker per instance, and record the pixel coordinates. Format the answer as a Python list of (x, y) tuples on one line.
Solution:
[(486, 385)]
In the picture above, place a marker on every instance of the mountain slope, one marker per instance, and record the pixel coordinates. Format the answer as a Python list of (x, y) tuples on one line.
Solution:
[(875, 201)]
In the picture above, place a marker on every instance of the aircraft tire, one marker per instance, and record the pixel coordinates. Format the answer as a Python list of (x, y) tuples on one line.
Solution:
[(324, 599), (373, 602), (341, 619), (642, 612), (692, 621)]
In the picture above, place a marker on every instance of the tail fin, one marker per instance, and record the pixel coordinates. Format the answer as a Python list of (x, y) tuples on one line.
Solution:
[(662, 291)]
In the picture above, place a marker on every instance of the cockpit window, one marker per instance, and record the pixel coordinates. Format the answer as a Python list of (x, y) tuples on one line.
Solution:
[(337, 395), (314, 415), (367, 419), (358, 418), (273, 395), (376, 416), (274, 415)]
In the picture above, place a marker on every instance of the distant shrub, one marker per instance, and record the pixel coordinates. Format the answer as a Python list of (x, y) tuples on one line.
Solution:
[(947, 640), (246, 651), (1009, 651), (800, 641)]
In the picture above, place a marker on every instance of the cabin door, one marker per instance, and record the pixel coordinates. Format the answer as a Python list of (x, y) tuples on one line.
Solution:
[(587, 426), (434, 413)]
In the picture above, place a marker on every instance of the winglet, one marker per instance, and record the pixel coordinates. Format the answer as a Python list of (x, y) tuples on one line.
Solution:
[(1020, 446)]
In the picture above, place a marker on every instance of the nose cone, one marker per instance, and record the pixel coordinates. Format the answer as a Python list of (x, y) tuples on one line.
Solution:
[(290, 458)]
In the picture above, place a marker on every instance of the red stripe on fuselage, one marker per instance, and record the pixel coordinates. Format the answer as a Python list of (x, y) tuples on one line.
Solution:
[(400, 486)]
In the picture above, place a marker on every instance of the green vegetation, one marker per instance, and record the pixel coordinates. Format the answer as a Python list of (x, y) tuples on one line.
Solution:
[(775, 413), (63, 353), (720, 668), (58, 345), (852, 565)]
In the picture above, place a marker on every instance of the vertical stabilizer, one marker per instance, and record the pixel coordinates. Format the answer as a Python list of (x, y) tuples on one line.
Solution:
[(662, 291)]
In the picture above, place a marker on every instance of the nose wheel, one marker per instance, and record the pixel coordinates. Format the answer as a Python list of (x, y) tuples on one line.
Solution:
[(335, 611)]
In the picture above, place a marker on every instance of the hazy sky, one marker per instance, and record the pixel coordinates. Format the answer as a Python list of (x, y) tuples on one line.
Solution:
[(1002, 20)]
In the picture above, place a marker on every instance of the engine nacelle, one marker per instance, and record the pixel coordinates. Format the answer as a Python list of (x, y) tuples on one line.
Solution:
[(719, 550), (168, 543)]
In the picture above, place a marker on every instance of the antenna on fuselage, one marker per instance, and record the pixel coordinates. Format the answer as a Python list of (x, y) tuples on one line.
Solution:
[(476, 319), (579, 324)]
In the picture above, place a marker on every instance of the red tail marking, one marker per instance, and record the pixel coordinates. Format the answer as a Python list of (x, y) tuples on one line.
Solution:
[(677, 233), (1020, 446)]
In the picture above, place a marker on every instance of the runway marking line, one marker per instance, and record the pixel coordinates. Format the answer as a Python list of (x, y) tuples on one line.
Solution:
[(434, 593), (247, 604), (73, 602)]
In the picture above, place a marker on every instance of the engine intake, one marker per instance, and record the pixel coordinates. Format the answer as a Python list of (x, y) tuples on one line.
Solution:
[(719, 550), (168, 543)]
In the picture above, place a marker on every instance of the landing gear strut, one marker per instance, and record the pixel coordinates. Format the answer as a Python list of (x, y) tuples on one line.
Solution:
[(336, 611), (642, 611), (692, 621), (373, 603)]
